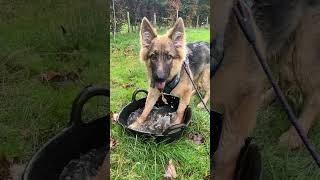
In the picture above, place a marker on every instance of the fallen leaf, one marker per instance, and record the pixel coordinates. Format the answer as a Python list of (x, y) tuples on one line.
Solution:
[(113, 143), (197, 138), (50, 75), (59, 78), (170, 171), (128, 85), (114, 117)]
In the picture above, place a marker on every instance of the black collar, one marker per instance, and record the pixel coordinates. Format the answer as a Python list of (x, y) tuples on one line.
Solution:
[(176, 79), (172, 84)]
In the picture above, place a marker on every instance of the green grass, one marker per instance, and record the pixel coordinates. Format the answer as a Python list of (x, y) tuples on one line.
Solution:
[(134, 158), (31, 43), (280, 163)]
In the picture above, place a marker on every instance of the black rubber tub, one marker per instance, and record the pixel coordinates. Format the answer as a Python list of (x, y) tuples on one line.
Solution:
[(249, 164), (78, 138), (171, 134)]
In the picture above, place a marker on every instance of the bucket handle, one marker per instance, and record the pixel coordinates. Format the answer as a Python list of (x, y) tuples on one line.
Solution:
[(81, 99), (136, 92), (173, 129)]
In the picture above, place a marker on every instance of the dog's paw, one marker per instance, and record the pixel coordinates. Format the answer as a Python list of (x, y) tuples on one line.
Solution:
[(177, 120), (291, 139), (137, 123), (134, 125), (200, 105)]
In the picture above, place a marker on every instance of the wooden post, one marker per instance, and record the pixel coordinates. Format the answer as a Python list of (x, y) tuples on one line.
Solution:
[(129, 26), (207, 21), (198, 21), (114, 21), (177, 13), (154, 19)]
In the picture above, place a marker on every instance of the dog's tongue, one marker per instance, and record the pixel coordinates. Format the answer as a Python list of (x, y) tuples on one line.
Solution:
[(160, 85)]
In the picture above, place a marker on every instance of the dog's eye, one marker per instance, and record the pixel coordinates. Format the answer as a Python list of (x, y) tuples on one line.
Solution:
[(153, 57), (169, 57)]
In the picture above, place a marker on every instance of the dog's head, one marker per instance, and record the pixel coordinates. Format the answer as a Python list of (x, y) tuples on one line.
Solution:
[(163, 55)]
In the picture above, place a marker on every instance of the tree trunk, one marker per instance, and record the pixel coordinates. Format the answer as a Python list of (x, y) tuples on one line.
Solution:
[(207, 21), (177, 13), (154, 19), (197, 22)]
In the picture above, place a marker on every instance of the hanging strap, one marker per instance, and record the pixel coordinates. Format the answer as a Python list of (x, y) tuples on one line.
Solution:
[(243, 15), (187, 69)]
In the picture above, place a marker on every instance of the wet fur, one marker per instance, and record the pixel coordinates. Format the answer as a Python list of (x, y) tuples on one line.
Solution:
[(173, 44), (288, 33)]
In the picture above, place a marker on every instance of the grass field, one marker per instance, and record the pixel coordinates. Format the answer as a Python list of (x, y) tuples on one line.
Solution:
[(32, 43), (280, 163), (133, 158)]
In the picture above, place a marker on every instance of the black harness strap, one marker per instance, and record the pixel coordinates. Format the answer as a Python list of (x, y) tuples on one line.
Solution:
[(243, 15), (172, 84)]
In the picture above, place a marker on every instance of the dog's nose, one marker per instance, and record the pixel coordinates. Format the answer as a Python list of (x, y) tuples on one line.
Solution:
[(161, 76)]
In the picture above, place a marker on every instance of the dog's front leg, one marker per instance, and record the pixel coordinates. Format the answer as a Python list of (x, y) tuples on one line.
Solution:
[(237, 125), (184, 102), (151, 100)]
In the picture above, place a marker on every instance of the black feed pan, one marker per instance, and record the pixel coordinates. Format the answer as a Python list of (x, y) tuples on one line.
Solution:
[(78, 138), (171, 134), (249, 165)]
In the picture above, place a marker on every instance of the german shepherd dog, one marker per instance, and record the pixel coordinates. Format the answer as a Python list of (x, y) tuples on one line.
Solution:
[(164, 56), (288, 34)]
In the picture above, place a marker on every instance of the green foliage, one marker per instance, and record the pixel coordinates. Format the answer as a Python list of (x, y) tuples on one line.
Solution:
[(164, 9)]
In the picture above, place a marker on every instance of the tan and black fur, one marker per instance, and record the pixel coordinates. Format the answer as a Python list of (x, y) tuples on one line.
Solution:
[(163, 56), (288, 34)]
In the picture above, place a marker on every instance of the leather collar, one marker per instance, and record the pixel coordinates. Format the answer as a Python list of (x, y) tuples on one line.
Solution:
[(172, 84)]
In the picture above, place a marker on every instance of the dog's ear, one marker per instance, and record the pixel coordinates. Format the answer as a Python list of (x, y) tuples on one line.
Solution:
[(147, 33), (177, 33)]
